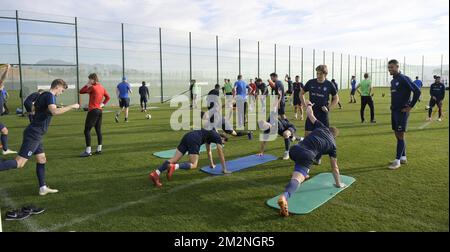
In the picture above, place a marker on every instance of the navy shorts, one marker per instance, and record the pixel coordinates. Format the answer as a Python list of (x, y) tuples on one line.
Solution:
[(297, 101), (31, 144), (281, 108), (321, 116), (301, 156), (2, 126), (187, 145), (144, 99), (399, 121), (353, 92), (124, 102)]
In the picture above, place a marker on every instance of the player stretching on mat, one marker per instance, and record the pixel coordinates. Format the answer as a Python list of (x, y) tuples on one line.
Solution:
[(45, 108), (320, 141), (285, 129), (191, 143)]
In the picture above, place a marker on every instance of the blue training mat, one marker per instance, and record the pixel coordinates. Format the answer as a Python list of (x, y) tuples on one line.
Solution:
[(313, 193), (239, 164)]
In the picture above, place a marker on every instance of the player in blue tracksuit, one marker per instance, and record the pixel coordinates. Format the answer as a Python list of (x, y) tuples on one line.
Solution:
[(45, 108), (437, 93), (320, 141), (319, 90), (401, 105), (191, 143)]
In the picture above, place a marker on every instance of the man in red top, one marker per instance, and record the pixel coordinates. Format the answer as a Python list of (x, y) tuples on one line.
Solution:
[(94, 117), (252, 94)]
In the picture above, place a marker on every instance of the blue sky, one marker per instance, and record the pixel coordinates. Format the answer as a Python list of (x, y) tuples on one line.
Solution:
[(378, 29)]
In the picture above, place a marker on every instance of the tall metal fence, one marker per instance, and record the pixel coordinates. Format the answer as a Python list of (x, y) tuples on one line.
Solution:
[(43, 47)]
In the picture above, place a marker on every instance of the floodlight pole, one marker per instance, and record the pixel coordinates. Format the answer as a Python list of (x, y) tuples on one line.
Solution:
[(19, 58)]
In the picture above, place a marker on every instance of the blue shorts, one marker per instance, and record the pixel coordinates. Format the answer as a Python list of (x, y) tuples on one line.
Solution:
[(352, 92), (2, 126), (321, 116), (301, 156), (31, 144), (189, 145), (399, 121)]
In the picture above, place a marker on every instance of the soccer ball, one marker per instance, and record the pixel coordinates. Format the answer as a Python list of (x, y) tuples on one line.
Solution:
[(148, 116)]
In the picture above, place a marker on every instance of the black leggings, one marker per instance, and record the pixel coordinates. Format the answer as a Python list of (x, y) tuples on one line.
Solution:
[(367, 100), (93, 119), (432, 104)]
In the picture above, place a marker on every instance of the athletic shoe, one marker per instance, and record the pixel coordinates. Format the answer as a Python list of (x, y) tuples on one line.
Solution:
[(394, 165), (16, 215), (286, 155), (116, 118), (403, 161), (8, 151), (373, 121), (170, 171), (46, 191), (86, 154), (428, 119), (155, 179), (439, 120), (32, 209), (317, 162), (283, 204)]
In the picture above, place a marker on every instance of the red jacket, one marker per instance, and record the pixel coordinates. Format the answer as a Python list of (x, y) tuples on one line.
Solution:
[(96, 93)]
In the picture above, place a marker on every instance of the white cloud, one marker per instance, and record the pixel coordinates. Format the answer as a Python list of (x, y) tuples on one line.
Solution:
[(383, 28)]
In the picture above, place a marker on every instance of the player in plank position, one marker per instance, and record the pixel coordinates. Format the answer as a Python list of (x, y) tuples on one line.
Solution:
[(320, 141)]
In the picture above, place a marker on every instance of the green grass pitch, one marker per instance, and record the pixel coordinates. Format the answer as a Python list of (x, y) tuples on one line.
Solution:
[(111, 192)]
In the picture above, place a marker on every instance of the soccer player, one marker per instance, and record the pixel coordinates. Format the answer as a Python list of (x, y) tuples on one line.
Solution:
[(29, 101), (320, 141), (288, 79), (145, 96), (123, 90), (319, 90), (2, 86), (279, 92), (45, 108), (366, 97), (401, 105), (261, 93), (98, 97), (297, 87), (353, 90), (191, 143), (337, 91), (240, 90), (437, 93), (3, 129), (285, 129), (252, 94), (228, 90), (418, 83)]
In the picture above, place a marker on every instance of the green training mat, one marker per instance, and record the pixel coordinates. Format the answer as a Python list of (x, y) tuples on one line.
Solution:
[(171, 153), (313, 193)]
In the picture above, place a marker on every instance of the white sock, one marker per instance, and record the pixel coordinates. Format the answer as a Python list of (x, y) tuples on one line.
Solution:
[(99, 148), (403, 158), (397, 161), (177, 166), (158, 172), (42, 188), (88, 149)]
